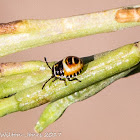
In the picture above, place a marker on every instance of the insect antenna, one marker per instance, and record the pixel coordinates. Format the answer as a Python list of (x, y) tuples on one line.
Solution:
[(47, 81), (47, 63)]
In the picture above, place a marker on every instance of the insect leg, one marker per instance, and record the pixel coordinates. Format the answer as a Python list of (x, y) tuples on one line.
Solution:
[(64, 81), (54, 79), (47, 63), (74, 79), (46, 82)]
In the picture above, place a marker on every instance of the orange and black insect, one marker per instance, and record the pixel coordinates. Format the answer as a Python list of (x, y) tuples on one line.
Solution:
[(67, 68)]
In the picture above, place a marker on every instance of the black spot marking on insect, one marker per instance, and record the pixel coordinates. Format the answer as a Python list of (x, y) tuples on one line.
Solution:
[(76, 60), (75, 74), (70, 60)]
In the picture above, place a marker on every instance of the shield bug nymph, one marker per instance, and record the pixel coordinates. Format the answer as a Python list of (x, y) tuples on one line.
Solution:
[(67, 68)]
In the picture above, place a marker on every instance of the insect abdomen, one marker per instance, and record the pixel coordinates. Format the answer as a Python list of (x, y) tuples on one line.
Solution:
[(72, 66)]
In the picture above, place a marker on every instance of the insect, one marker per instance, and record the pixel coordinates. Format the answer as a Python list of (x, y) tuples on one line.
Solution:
[(68, 68)]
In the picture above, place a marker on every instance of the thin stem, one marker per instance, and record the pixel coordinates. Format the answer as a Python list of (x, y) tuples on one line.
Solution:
[(24, 34), (54, 110), (12, 68), (106, 66), (103, 67)]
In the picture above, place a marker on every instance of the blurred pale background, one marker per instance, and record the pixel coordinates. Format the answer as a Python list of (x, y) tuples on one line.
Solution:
[(112, 114)]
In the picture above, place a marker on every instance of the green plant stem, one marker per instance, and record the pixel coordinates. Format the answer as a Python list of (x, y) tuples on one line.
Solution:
[(8, 105), (15, 83), (20, 35), (55, 109), (137, 70), (22, 75), (21, 67), (105, 66), (14, 68)]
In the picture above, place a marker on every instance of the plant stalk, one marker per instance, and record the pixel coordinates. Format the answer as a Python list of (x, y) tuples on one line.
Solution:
[(107, 65), (24, 34), (54, 110)]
